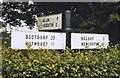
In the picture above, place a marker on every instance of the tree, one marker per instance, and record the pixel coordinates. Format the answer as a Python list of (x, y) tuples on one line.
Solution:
[(16, 12)]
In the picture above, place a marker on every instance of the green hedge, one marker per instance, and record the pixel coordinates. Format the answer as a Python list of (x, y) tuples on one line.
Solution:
[(61, 64)]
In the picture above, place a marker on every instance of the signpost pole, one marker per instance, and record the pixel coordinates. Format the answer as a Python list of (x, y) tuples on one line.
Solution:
[(67, 27)]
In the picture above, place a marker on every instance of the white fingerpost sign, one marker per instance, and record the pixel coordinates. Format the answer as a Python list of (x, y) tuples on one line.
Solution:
[(50, 22), (89, 41), (38, 40)]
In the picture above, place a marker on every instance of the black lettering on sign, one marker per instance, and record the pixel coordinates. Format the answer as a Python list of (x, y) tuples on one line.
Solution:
[(37, 43), (55, 24), (82, 44), (52, 24), (103, 44), (36, 37), (43, 37), (29, 36), (81, 38), (31, 43), (52, 37), (32, 37), (103, 38), (43, 44), (46, 20), (52, 43), (57, 18), (90, 43), (87, 38), (46, 37), (26, 37), (48, 25)]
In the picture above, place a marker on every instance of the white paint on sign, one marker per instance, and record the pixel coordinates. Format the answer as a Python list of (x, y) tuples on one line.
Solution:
[(89, 41), (50, 22), (37, 40)]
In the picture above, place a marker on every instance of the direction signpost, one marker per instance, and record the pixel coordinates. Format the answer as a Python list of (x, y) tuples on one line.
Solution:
[(50, 22), (38, 40), (57, 40), (89, 41)]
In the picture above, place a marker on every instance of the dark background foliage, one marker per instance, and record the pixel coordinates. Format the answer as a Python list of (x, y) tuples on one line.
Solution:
[(87, 17)]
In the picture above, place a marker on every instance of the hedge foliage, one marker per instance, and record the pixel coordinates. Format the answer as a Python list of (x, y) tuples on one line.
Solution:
[(61, 64)]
